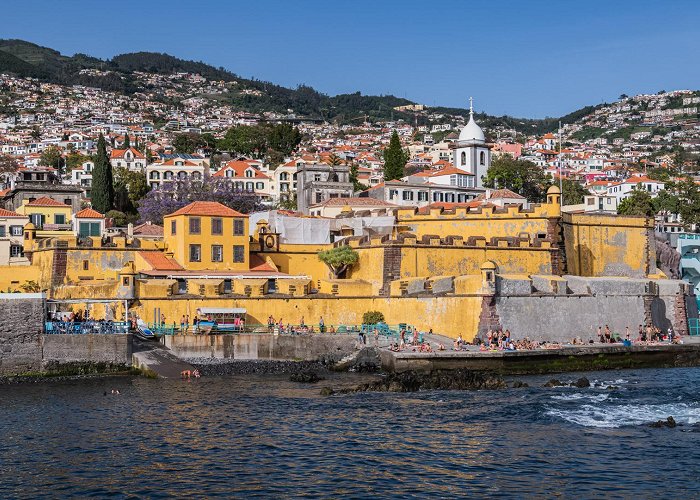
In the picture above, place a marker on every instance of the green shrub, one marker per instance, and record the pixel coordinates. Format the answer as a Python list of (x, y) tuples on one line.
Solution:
[(372, 318)]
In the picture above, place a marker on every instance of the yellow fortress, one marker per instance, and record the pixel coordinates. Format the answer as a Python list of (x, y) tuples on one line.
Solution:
[(535, 271)]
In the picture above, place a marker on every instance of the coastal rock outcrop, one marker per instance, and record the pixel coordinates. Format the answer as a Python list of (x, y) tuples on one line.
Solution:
[(670, 422), (436, 380)]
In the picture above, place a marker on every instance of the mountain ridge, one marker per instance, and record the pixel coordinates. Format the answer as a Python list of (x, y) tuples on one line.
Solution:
[(27, 59)]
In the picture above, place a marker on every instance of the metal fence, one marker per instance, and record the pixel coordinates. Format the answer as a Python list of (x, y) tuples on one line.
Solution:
[(694, 326), (87, 327), (392, 332)]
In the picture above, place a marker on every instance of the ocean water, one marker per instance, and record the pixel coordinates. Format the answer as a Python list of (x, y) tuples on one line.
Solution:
[(266, 437)]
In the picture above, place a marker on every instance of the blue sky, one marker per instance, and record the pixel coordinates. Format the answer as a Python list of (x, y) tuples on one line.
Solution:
[(523, 58)]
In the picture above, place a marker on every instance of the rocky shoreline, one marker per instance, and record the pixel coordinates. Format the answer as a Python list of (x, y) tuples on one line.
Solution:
[(210, 367)]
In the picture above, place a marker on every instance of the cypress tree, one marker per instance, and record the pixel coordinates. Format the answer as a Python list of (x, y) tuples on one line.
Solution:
[(395, 159), (102, 181), (127, 143)]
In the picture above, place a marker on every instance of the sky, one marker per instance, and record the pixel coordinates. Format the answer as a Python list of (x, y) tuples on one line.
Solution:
[(528, 58)]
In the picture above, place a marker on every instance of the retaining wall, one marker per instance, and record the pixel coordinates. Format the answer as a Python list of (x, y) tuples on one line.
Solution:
[(60, 349), (20, 331), (261, 346)]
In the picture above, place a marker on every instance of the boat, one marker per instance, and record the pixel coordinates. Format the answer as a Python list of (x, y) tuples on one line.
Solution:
[(221, 319), (143, 332)]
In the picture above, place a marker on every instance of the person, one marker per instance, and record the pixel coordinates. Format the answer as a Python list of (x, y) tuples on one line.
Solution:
[(182, 324), (601, 338), (608, 337), (670, 334), (196, 324), (162, 319), (270, 324), (301, 322), (187, 322), (376, 338), (403, 336), (640, 333), (415, 336), (627, 332), (321, 325)]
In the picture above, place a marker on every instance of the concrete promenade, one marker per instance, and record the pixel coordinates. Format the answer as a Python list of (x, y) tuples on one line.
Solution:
[(567, 358)]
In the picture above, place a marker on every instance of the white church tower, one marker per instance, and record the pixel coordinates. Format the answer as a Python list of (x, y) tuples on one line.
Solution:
[(471, 153)]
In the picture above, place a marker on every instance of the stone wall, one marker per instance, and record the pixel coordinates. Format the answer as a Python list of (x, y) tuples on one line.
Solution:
[(111, 349), (589, 303), (261, 346), (20, 331)]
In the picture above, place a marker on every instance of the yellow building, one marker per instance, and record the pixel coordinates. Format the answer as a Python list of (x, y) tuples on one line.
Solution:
[(206, 235), (50, 217)]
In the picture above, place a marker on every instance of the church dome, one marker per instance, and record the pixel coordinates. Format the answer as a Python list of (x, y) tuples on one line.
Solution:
[(471, 131)]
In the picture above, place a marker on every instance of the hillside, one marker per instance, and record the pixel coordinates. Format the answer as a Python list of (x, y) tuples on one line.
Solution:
[(26, 59)]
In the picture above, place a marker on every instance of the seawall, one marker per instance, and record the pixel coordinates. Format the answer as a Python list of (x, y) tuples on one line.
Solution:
[(547, 361), (261, 346)]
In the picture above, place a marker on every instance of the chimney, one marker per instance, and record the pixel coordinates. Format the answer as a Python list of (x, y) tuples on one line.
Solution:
[(130, 230)]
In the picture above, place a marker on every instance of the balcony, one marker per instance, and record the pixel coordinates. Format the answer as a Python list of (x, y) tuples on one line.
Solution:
[(56, 227)]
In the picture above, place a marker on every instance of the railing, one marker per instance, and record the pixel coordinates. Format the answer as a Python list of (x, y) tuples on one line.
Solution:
[(694, 326), (390, 332), (689, 236), (86, 327)]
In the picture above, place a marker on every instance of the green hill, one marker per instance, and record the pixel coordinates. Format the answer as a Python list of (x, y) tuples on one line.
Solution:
[(26, 59)]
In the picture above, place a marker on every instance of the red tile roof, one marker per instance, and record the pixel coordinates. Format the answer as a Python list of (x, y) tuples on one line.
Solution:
[(211, 208), (148, 229), (258, 264), (45, 201), (9, 213), (160, 262), (239, 168), (354, 202), (89, 213), (119, 153), (500, 193)]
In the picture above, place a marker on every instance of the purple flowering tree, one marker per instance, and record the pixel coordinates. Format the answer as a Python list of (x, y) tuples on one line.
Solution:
[(172, 196)]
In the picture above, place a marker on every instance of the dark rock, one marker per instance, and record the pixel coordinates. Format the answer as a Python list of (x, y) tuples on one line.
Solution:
[(306, 377), (436, 380), (554, 383), (581, 383), (216, 367), (327, 391), (519, 384), (670, 422)]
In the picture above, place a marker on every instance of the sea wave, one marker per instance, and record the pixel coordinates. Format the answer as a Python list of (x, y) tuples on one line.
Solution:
[(614, 416), (577, 396)]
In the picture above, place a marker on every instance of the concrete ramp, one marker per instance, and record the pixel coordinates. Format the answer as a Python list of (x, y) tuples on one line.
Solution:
[(158, 358)]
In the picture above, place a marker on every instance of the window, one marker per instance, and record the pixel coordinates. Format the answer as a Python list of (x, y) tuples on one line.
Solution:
[(89, 229), (422, 196), (482, 158), (37, 220), (464, 158), (173, 227), (217, 226), (317, 177), (284, 176), (195, 253), (259, 185), (408, 195), (249, 186), (227, 286), (195, 225), (239, 253), (68, 201), (217, 253), (16, 231), (16, 251), (319, 197), (59, 219), (2, 231), (453, 180), (238, 227), (86, 265)]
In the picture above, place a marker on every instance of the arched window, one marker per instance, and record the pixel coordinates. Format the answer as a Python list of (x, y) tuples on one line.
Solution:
[(464, 158), (482, 158), (284, 176), (249, 173)]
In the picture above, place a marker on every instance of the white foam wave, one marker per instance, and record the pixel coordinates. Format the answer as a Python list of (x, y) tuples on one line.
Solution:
[(614, 416), (577, 396)]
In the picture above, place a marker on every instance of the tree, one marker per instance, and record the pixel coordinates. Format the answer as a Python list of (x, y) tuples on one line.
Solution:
[(284, 138), (120, 218), (339, 259), (334, 160), (102, 181), (395, 159), (354, 171), (520, 176), (52, 157), (639, 202), (188, 142), (75, 160), (131, 184), (127, 143), (8, 164), (245, 140), (687, 194), (372, 317), (573, 192), (172, 196)]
